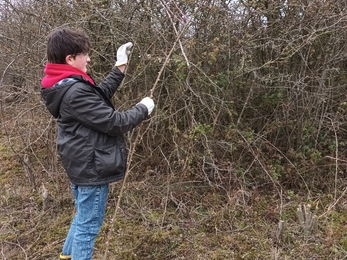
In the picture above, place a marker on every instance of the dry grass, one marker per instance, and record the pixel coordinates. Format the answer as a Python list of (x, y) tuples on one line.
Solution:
[(161, 219)]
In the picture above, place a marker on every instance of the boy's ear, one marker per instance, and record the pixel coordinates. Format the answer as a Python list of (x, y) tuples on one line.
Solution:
[(69, 59)]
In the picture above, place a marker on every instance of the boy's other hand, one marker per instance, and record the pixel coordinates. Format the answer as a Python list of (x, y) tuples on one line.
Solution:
[(149, 103)]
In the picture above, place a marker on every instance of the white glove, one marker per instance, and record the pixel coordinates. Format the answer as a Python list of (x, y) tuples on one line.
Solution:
[(148, 102), (123, 53)]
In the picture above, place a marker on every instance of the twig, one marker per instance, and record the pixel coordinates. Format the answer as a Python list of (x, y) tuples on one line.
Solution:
[(336, 156), (275, 182), (133, 148), (336, 159), (173, 25), (334, 204), (167, 59)]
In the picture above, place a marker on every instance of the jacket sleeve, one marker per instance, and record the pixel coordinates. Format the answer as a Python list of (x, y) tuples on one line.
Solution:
[(112, 82), (88, 108)]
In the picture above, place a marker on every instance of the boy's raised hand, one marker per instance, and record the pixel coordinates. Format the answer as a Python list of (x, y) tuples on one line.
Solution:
[(123, 53)]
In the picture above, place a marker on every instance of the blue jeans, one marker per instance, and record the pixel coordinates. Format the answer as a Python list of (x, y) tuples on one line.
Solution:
[(90, 203)]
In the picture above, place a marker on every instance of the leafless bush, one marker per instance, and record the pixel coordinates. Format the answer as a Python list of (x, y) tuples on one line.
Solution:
[(251, 100), (253, 94)]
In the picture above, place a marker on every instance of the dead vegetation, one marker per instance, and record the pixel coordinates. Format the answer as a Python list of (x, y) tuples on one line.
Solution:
[(243, 158)]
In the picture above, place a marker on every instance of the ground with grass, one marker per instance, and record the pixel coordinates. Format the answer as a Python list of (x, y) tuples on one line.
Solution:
[(163, 218)]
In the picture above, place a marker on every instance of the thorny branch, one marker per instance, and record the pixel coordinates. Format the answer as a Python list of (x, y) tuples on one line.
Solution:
[(133, 146)]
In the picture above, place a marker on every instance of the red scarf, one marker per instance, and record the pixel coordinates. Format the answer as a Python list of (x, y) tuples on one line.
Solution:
[(57, 72)]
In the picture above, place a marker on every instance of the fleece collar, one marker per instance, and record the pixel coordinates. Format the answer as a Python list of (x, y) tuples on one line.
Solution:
[(57, 72)]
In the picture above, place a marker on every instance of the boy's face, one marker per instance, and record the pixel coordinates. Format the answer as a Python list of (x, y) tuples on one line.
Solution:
[(79, 61)]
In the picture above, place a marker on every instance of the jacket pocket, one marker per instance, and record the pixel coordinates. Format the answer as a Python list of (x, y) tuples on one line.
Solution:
[(110, 160)]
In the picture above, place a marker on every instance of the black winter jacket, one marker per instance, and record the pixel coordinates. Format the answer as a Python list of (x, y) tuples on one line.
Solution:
[(90, 132)]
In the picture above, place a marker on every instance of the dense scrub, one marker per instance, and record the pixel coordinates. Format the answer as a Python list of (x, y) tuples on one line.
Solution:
[(249, 128)]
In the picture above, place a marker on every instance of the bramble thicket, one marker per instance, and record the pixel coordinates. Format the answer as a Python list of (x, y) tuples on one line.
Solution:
[(244, 156)]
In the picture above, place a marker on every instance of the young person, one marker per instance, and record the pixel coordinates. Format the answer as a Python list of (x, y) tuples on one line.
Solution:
[(90, 131)]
